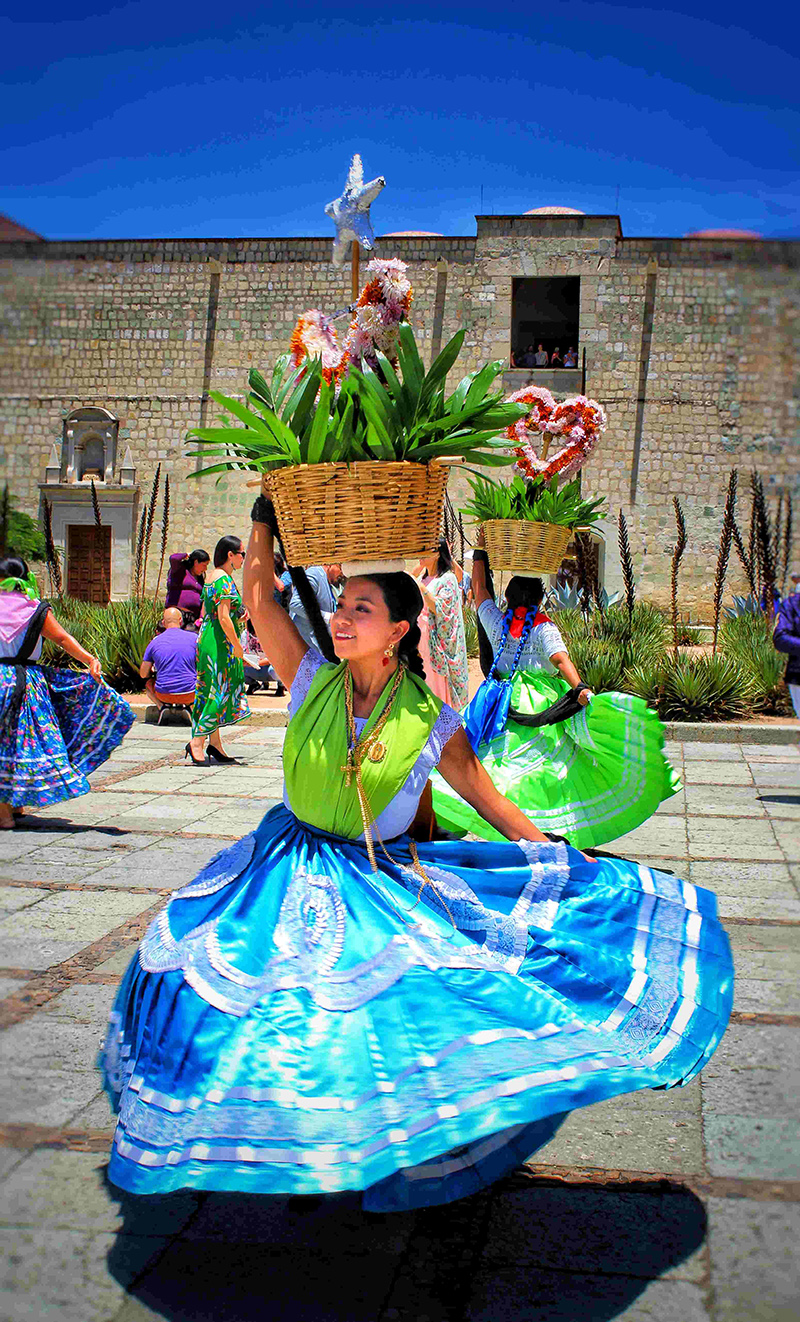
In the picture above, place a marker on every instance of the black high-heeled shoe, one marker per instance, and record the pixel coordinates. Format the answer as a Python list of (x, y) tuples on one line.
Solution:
[(203, 761), (215, 755)]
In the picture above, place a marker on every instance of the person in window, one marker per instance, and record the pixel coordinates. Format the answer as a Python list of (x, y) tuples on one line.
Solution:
[(590, 765), (540, 358), (528, 359), (169, 664), (185, 582), (555, 358), (571, 358)]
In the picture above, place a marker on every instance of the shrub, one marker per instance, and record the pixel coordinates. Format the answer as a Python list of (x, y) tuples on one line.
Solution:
[(117, 634), (704, 688), (747, 640)]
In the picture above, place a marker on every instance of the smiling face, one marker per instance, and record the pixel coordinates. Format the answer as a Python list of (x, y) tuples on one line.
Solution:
[(362, 627)]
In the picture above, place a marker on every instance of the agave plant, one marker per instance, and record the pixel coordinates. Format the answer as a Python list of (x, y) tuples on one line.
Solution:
[(540, 502), (747, 640), (303, 419), (706, 688), (748, 605), (566, 597)]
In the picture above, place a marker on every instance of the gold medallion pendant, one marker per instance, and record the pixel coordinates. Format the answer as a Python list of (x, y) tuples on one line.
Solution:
[(377, 752)]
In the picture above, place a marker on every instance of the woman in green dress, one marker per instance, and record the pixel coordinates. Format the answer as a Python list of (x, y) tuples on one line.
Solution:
[(220, 694)]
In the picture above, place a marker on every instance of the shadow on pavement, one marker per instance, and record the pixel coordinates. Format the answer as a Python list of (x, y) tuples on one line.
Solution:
[(523, 1251), (63, 824)]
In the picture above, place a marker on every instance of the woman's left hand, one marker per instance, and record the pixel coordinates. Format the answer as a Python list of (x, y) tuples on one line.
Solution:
[(95, 669), (585, 696)]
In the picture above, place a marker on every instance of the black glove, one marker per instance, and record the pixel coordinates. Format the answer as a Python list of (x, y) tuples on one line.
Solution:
[(480, 554), (557, 839), (263, 511)]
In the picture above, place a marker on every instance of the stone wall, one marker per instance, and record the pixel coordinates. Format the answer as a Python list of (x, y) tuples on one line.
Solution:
[(691, 346)]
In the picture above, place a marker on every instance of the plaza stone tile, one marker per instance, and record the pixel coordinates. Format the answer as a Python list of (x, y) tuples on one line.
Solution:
[(724, 801), (23, 841), (58, 927), (230, 824), (70, 1189), (164, 780), (696, 751), (674, 806), (616, 1137), (53, 1097), (517, 1295), (643, 1231), (788, 836), (15, 898), (36, 868), (97, 1115), (755, 1267), (775, 752), (9, 986), (780, 775), (714, 838), (659, 836), (717, 773), (750, 1149), (118, 963), (64, 1274)]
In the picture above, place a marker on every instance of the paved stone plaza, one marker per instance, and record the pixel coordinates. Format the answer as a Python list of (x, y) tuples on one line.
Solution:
[(676, 1207)]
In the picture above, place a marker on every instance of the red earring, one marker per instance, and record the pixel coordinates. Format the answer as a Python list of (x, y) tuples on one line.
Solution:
[(387, 654)]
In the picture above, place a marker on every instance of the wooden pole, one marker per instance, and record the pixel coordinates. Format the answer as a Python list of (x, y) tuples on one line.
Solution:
[(355, 283)]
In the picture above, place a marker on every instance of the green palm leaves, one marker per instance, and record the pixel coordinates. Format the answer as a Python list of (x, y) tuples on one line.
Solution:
[(390, 414), (540, 502)]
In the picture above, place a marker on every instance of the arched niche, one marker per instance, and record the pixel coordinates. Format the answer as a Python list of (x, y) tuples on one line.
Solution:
[(89, 445)]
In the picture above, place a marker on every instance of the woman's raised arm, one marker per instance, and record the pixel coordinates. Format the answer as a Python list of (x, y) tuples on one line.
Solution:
[(275, 631)]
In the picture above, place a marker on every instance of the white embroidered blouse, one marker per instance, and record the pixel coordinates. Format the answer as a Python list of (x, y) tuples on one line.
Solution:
[(399, 814), (543, 642)]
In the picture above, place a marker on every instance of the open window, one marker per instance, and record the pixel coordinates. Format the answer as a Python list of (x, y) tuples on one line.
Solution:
[(545, 317)]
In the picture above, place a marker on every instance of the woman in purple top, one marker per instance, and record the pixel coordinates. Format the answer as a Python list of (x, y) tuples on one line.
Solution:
[(185, 582)]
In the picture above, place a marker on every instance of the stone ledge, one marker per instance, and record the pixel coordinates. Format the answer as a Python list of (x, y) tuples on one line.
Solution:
[(731, 732)]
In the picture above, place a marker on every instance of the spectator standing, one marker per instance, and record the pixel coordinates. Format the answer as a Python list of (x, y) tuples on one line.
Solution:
[(787, 639), (169, 665), (443, 645), (282, 591), (540, 358), (220, 689), (185, 582), (322, 579), (528, 359), (571, 358), (555, 358)]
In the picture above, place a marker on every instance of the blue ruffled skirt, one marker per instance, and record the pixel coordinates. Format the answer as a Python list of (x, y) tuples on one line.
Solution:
[(68, 724), (294, 1023)]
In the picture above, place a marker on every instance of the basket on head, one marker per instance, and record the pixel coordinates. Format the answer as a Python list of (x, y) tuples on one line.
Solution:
[(371, 511), (524, 547)]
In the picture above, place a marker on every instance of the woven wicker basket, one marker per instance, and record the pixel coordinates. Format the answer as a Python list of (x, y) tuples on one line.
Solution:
[(363, 512), (524, 547)]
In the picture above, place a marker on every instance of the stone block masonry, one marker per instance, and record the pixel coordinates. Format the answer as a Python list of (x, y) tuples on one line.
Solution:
[(691, 345)]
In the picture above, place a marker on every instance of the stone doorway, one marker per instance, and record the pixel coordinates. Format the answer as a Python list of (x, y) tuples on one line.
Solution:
[(89, 563)]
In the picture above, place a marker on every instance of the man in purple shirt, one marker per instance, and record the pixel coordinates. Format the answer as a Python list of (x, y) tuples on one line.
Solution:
[(169, 665)]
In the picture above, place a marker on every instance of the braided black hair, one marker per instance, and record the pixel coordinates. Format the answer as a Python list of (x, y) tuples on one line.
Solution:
[(403, 602), (264, 512)]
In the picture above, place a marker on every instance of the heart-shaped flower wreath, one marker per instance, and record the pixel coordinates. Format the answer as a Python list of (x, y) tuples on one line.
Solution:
[(577, 423)]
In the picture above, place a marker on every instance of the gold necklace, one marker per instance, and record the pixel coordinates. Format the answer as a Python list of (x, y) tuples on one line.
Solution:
[(372, 747)]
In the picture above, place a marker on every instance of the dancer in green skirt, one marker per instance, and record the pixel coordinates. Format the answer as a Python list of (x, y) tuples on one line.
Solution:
[(590, 766)]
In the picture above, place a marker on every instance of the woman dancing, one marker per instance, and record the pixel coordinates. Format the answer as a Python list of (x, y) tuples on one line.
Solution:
[(326, 1008), (56, 726), (221, 683), (596, 772)]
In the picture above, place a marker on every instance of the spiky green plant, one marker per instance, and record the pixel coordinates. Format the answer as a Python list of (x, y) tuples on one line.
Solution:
[(726, 537), (302, 419), (538, 502), (677, 555)]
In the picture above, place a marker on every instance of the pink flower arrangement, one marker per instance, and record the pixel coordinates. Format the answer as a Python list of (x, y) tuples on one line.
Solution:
[(382, 306), (578, 423)]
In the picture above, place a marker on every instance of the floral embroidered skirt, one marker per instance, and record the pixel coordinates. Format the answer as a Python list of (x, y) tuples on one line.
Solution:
[(295, 1023), (592, 778), (66, 727)]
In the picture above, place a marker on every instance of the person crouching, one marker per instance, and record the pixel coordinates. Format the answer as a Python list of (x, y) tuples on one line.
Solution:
[(169, 665)]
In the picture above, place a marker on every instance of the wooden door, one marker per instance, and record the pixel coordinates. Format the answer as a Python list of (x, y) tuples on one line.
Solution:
[(89, 563)]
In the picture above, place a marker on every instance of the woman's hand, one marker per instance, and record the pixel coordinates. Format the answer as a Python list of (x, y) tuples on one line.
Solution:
[(237, 651), (460, 768), (585, 697), (95, 668)]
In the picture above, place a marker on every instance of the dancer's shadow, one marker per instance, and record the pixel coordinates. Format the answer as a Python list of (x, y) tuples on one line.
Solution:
[(525, 1250), (65, 826)]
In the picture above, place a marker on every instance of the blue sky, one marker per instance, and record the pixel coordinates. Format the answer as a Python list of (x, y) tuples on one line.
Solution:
[(154, 119)]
